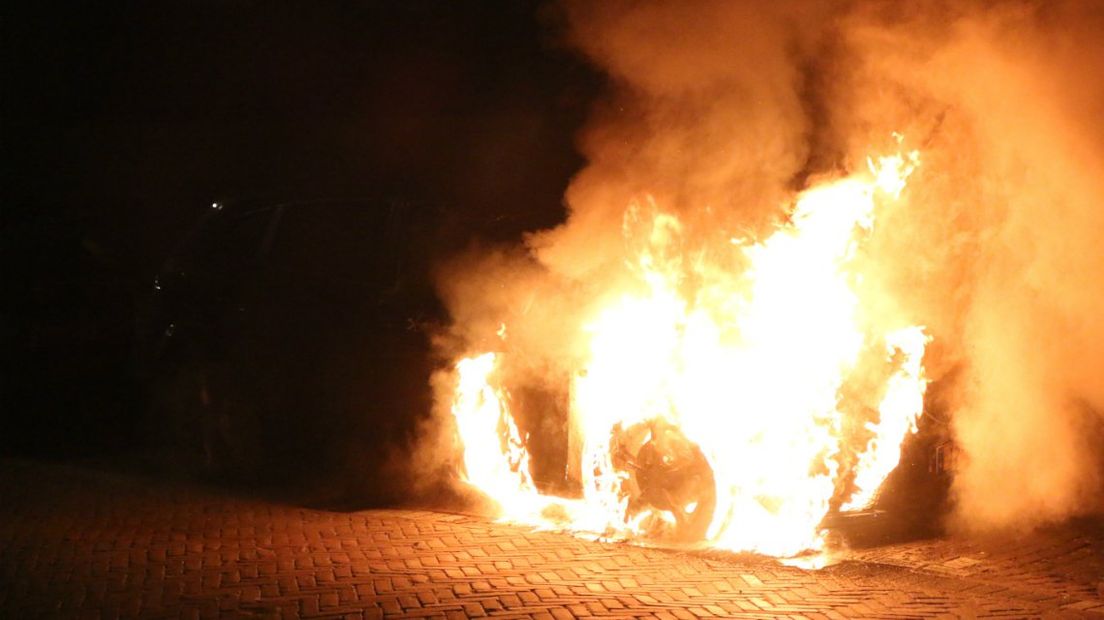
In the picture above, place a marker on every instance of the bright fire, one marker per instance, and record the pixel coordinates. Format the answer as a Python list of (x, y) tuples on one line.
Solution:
[(731, 408)]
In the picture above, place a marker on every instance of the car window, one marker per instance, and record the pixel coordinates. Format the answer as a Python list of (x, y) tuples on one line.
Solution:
[(210, 265), (355, 244), (227, 242)]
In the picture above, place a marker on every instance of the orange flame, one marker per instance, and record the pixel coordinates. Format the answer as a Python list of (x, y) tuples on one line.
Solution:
[(716, 408)]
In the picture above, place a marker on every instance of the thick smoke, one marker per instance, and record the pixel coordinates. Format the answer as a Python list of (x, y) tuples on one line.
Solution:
[(722, 110), (1000, 250)]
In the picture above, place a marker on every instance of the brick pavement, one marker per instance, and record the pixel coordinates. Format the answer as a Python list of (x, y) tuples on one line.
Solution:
[(82, 543)]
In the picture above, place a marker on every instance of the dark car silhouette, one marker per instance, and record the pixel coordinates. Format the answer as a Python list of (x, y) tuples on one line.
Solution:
[(281, 342)]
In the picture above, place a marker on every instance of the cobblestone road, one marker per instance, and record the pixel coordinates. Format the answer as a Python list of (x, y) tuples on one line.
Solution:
[(82, 543)]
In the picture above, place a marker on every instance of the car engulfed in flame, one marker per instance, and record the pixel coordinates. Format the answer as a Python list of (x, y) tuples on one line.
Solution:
[(730, 408)]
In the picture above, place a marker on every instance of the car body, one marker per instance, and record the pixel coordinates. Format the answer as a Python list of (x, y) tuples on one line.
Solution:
[(282, 342)]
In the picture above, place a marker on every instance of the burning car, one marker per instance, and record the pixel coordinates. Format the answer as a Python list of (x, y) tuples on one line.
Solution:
[(743, 394)]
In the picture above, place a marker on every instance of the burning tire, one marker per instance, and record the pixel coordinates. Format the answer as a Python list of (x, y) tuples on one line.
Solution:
[(668, 481)]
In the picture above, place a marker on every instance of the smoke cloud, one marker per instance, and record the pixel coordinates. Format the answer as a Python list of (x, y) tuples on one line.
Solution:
[(1000, 251), (722, 111)]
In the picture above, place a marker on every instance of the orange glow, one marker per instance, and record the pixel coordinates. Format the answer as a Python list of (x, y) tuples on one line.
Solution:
[(745, 372)]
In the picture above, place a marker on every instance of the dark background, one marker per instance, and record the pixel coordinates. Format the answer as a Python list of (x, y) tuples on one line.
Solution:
[(123, 121)]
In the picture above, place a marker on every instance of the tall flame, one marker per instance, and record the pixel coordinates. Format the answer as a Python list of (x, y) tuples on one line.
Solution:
[(713, 402)]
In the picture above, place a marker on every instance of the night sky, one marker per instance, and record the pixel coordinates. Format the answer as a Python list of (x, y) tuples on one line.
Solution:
[(124, 120)]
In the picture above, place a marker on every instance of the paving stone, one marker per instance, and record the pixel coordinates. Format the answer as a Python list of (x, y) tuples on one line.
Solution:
[(84, 543)]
